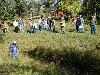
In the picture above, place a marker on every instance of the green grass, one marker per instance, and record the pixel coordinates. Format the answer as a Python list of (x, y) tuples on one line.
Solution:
[(44, 53)]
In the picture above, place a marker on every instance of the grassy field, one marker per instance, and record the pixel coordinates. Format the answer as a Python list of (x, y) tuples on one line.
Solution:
[(47, 53)]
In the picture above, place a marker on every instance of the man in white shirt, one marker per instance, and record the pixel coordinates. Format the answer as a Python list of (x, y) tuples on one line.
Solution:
[(15, 23)]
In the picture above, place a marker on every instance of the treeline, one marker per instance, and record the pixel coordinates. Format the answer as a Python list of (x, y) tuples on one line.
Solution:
[(11, 8)]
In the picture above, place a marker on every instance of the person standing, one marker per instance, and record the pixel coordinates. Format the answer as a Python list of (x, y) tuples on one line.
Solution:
[(49, 22), (81, 26), (46, 26), (42, 25), (5, 27), (93, 25), (39, 22), (13, 49), (33, 27), (53, 26), (78, 23), (21, 25), (15, 23), (62, 23)]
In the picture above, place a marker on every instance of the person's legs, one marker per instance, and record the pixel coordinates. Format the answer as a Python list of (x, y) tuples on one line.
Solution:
[(53, 29), (47, 27), (62, 29), (94, 29), (19, 28), (41, 28), (22, 28), (30, 30), (50, 26), (80, 30), (34, 30), (4, 30), (16, 29), (77, 28), (91, 29), (15, 56)]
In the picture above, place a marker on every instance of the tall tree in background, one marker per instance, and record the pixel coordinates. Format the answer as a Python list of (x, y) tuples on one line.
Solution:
[(6, 9), (91, 7), (20, 7), (72, 6)]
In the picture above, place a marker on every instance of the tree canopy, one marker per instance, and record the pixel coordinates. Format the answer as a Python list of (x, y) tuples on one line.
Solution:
[(11, 8), (72, 6)]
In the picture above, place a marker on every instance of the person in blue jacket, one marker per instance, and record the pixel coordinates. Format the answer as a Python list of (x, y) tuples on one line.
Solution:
[(42, 25), (13, 49)]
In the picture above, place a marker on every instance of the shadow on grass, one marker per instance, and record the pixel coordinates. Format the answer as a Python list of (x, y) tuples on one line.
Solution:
[(71, 30), (74, 61), (1, 38), (98, 46)]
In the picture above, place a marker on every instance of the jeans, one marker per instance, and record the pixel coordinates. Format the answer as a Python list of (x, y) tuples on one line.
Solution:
[(15, 55), (21, 28), (41, 27), (62, 29), (16, 29), (46, 26), (50, 26), (34, 30), (53, 29), (93, 29), (77, 28), (80, 30)]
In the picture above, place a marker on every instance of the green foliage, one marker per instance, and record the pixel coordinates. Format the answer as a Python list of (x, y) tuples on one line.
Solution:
[(6, 10), (71, 6), (20, 7), (91, 7)]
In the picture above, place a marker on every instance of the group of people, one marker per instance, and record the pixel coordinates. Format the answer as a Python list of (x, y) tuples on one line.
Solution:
[(80, 24), (42, 24), (48, 24)]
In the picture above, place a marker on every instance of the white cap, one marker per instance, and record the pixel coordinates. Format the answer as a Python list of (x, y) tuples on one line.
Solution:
[(14, 42)]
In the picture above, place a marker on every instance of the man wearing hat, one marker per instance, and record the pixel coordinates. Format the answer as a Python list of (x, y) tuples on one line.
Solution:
[(13, 49)]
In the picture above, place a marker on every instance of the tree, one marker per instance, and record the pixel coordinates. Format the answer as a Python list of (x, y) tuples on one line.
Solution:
[(20, 7), (72, 6), (6, 10), (91, 7)]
